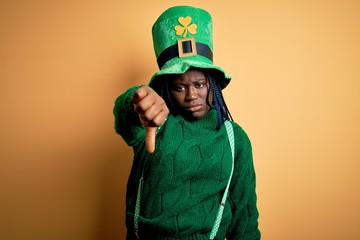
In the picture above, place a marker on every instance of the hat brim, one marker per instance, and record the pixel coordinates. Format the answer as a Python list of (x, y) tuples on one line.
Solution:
[(185, 64)]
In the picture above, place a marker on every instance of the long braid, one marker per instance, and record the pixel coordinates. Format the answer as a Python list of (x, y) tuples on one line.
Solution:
[(222, 110), (166, 95)]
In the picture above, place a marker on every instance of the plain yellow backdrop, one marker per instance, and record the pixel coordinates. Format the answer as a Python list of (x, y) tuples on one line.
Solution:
[(295, 90)]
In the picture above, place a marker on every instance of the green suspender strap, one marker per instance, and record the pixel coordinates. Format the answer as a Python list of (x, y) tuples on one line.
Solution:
[(137, 206), (230, 133)]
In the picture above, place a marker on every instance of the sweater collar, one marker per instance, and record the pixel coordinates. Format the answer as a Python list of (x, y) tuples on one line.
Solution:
[(207, 122)]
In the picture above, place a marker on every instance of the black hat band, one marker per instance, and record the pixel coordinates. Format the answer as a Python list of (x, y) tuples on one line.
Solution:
[(184, 48)]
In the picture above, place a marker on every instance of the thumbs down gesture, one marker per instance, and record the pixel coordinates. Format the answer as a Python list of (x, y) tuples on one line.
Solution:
[(152, 111)]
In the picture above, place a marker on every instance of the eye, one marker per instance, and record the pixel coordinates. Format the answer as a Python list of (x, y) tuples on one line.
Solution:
[(178, 88), (200, 84)]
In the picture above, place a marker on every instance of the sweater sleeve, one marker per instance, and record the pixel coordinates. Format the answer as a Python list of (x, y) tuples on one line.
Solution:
[(127, 123), (244, 224)]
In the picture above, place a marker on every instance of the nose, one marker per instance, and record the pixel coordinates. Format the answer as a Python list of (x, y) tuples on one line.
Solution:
[(191, 94)]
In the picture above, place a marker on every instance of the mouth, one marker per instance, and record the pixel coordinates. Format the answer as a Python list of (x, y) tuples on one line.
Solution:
[(193, 108)]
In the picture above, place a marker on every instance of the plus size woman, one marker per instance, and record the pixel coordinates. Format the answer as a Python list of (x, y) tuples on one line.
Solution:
[(192, 175)]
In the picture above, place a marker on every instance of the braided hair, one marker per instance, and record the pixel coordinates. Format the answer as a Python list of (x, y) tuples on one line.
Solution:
[(222, 110), (218, 104)]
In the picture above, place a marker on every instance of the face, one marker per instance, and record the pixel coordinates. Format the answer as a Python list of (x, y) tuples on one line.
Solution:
[(190, 92)]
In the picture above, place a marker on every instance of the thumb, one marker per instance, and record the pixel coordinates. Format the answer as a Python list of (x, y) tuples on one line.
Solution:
[(150, 138)]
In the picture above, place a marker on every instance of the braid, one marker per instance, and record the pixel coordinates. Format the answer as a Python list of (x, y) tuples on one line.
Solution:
[(166, 95), (222, 110)]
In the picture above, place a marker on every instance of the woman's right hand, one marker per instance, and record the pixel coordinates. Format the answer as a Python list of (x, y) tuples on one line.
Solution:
[(152, 111)]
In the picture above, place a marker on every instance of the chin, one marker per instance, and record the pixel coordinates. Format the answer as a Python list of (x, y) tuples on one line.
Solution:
[(196, 116)]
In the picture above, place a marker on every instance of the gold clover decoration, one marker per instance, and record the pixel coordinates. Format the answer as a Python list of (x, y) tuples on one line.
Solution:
[(186, 26)]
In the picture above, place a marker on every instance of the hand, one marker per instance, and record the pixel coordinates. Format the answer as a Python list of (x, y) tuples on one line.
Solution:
[(152, 112)]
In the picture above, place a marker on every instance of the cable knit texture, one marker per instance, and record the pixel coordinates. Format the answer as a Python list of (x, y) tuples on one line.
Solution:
[(185, 177)]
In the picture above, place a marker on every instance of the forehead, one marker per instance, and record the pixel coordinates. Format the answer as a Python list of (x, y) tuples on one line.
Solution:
[(190, 76)]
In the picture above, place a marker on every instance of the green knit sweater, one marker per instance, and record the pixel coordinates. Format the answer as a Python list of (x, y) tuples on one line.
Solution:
[(185, 177)]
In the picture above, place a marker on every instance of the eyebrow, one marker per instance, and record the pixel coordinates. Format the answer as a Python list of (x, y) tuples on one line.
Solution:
[(181, 80)]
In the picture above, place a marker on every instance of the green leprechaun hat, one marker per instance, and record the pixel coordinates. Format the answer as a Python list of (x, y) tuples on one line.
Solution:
[(182, 38)]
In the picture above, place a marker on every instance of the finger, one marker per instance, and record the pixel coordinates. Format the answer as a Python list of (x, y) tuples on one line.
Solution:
[(150, 139), (139, 94), (142, 93), (143, 105), (160, 118), (151, 112)]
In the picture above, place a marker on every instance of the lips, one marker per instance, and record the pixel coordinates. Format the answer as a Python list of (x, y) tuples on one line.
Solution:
[(193, 108)]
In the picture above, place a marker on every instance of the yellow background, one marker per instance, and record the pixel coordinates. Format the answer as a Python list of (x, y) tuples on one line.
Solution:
[(295, 90)]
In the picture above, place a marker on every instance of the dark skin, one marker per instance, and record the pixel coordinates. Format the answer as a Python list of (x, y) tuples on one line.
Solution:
[(189, 92)]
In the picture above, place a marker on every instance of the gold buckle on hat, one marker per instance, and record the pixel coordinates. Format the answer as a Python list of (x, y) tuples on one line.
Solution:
[(187, 47)]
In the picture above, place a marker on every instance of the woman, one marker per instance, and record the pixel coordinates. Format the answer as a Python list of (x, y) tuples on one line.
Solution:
[(192, 175)]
